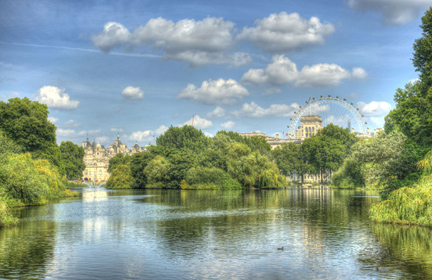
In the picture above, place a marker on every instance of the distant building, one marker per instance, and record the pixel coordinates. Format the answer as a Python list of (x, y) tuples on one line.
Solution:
[(310, 125), (96, 158)]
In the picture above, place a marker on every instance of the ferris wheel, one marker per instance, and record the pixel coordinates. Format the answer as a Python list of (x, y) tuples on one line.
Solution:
[(331, 110)]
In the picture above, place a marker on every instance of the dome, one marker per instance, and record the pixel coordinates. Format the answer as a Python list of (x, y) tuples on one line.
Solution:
[(98, 146)]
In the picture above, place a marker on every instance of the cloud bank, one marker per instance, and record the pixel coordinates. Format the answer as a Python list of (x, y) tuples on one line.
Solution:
[(283, 71), (220, 92), (281, 33)]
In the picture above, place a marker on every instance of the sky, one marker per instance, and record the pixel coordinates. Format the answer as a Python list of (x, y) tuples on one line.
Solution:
[(135, 68)]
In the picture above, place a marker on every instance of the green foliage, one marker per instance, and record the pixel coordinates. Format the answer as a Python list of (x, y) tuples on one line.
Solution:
[(6, 218), (26, 123), (138, 163), (157, 173), (209, 178), (413, 112), (349, 175), (121, 178), (183, 137), (180, 162), (387, 159), (24, 181), (118, 159), (72, 157), (407, 205), (254, 143)]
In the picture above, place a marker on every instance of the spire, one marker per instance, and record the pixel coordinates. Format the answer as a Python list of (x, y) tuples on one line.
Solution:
[(118, 136), (87, 136)]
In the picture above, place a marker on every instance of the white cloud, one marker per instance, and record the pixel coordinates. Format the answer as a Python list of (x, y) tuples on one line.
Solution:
[(197, 42), (228, 125), (161, 130), (286, 32), (214, 92), (199, 123), (113, 35), (56, 98), (218, 112), (396, 12), (141, 136), (66, 132), (208, 134), (133, 93), (53, 119), (118, 130), (252, 110), (374, 108), (283, 71), (413, 81), (359, 73), (71, 124)]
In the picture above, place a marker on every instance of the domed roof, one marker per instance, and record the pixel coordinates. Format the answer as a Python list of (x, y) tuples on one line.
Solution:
[(98, 146)]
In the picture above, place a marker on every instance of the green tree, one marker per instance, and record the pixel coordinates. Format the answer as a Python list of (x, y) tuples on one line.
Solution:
[(121, 178), (183, 137), (413, 112), (157, 173), (291, 160), (180, 162), (118, 159), (72, 157), (138, 163), (26, 123)]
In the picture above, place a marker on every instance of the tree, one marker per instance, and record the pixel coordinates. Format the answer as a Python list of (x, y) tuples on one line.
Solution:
[(26, 123), (157, 172), (120, 178), (138, 163), (117, 160), (291, 160), (413, 112), (72, 157), (183, 137)]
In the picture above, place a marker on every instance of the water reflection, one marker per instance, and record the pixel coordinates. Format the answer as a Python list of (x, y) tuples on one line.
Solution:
[(326, 234)]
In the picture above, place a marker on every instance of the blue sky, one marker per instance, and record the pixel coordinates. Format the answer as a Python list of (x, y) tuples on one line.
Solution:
[(138, 67)]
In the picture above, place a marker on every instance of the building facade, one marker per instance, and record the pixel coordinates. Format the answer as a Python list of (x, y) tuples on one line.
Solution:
[(96, 158)]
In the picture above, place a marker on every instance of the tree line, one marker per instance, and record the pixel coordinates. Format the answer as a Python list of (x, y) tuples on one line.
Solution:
[(33, 168)]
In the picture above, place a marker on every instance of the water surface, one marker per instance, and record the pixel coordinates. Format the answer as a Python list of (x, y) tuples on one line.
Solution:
[(176, 234)]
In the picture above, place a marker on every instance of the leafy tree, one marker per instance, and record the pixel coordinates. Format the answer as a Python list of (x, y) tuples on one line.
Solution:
[(180, 162), (387, 161), (183, 137), (120, 178), (413, 112), (291, 160), (254, 143), (72, 157), (26, 123), (157, 172), (118, 159), (138, 162)]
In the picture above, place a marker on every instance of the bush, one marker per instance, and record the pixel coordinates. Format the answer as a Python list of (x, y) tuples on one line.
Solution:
[(349, 175), (120, 178), (6, 219)]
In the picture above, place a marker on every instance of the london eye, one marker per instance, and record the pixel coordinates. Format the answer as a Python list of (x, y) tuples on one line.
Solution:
[(331, 110)]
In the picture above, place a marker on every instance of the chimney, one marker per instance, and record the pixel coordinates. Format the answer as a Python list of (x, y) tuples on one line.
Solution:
[(277, 136), (367, 131)]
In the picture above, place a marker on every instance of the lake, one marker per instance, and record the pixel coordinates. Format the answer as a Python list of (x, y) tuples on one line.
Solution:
[(205, 234)]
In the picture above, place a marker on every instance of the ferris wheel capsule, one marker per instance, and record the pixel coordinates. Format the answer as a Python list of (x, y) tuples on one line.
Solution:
[(329, 95), (337, 97)]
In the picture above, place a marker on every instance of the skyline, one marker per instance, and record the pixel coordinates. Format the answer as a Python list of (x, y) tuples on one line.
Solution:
[(137, 67)]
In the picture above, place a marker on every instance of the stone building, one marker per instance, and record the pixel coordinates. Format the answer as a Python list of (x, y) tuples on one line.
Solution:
[(96, 158), (310, 125)]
